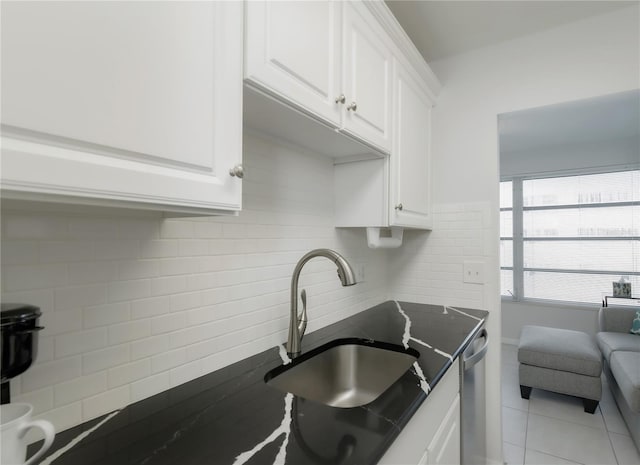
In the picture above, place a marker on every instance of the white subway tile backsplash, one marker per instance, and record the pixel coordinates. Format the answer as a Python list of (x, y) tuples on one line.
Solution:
[(135, 305), (114, 249), (206, 314), (66, 251), (185, 372), (80, 342), (223, 246), (105, 402), (62, 418), (68, 298), (168, 360), (185, 301), (106, 358), (93, 228), (92, 272), (130, 331), (214, 295), (149, 346), (128, 290), (138, 229), (159, 249), (42, 298), (202, 349), (137, 269), (152, 306), (19, 253), (177, 229), (199, 282), (46, 374), (41, 400), (79, 388), (150, 386), (459, 234), (22, 277), (60, 322), (176, 266), (234, 230), (128, 373), (193, 247), (21, 227), (167, 323), (195, 334), (45, 349), (103, 315), (207, 230), (168, 285)]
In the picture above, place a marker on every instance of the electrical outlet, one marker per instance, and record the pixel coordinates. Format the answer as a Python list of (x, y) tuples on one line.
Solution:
[(474, 272), (359, 271)]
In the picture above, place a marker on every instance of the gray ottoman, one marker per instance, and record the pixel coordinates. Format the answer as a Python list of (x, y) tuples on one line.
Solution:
[(560, 360)]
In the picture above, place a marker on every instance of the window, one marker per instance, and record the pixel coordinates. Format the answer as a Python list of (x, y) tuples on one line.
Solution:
[(567, 238), (506, 238)]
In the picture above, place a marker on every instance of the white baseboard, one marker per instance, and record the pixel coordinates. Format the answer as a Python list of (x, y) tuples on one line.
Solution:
[(513, 342), (495, 462)]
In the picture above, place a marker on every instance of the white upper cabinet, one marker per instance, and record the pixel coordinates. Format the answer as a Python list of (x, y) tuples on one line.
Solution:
[(394, 191), (123, 103), (410, 167), (293, 51), (366, 78), (326, 59)]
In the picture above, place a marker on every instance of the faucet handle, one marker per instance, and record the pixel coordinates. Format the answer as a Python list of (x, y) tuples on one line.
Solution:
[(302, 316)]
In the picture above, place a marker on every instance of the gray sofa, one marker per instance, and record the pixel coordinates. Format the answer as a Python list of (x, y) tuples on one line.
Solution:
[(621, 355)]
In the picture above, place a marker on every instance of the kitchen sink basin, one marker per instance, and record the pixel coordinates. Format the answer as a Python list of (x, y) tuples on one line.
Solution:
[(344, 372)]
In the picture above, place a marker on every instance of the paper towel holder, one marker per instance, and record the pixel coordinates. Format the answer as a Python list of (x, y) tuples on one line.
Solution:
[(376, 241)]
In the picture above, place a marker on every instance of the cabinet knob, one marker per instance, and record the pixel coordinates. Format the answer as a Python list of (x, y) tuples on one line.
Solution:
[(352, 107), (237, 171), (399, 206), (341, 98)]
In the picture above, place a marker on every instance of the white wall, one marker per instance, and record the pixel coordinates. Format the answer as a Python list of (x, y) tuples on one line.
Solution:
[(134, 305), (592, 57)]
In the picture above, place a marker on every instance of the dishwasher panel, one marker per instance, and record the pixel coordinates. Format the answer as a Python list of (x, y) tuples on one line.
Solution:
[(473, 449)]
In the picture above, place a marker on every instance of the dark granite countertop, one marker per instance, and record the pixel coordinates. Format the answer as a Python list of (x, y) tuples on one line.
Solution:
[(231, 416)]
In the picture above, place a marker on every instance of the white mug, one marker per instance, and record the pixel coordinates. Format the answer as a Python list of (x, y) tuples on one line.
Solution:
[(16, 422)]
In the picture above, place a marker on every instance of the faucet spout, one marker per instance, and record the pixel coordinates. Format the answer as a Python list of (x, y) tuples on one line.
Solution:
[(298, 323)]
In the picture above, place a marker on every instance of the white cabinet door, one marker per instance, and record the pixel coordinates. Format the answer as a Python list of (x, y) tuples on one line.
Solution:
[(135, 102), (366, 68), (444, 449), (433, 432), (410, 167), (293, 51)]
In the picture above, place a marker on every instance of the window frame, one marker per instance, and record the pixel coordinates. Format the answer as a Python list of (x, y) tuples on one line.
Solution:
[(518, 240)]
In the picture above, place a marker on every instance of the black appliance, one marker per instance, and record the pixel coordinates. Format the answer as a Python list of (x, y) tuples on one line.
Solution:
[(19, 341)]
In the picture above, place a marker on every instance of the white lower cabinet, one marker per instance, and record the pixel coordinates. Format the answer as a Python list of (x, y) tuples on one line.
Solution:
[(135, 104), (445, 446), (432, 436)]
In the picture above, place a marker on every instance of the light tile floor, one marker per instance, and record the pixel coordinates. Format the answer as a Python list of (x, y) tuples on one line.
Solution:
[(553, 428)]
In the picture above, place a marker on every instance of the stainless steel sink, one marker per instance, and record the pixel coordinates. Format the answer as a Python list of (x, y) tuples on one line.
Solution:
[(345, 372)]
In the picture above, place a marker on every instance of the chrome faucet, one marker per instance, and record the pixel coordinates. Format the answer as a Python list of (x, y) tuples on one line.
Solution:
[(298, 323)]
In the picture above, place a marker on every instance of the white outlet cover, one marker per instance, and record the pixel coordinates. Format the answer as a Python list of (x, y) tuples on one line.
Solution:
[(473, 272)]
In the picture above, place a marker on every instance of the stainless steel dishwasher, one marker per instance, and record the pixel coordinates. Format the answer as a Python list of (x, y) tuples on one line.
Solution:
[(473, 449)]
